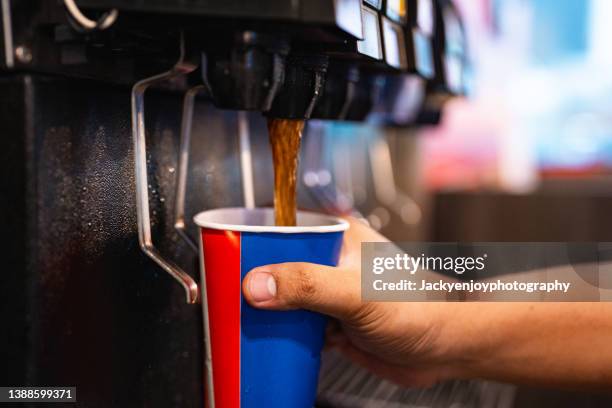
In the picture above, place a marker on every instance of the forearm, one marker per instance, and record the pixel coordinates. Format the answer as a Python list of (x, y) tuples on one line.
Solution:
[(556, 344)]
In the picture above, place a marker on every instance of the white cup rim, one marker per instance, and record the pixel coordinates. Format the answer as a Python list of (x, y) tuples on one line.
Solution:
[(235, 219)]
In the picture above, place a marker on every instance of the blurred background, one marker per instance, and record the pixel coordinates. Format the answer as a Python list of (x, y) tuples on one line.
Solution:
[(525, 156)]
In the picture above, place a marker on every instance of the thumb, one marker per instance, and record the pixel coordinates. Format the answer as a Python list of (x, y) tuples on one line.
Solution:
[(323, 289)]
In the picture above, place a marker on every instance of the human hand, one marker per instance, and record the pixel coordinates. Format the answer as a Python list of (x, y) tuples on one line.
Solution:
[(398, 341), (417, 344)]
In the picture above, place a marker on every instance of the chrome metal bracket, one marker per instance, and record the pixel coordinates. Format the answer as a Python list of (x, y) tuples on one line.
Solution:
[(183, 165), (7, 33), (182, 67), (246, 161), (317, 92)]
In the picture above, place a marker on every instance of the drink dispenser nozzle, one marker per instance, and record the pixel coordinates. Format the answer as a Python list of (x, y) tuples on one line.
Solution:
[(303, 85), (247, 73), (349, 94), (339, 92)]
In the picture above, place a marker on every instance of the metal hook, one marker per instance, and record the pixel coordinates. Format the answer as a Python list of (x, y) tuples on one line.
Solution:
[(107, 19), (182, 67), (318, 90), (183, 165), (7, 28), (246, 161)]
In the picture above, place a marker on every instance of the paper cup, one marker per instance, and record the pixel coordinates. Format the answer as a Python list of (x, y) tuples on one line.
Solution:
[(258, 358)]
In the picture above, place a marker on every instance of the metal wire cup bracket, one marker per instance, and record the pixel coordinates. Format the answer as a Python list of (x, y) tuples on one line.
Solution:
[(182, 67), (183, 166), (246, 166)]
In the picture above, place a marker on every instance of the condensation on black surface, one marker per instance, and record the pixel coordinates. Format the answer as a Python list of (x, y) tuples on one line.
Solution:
[(103, 317), (14, 308)]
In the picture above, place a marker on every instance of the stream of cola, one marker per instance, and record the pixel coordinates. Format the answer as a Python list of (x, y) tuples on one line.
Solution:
[(285, 139)]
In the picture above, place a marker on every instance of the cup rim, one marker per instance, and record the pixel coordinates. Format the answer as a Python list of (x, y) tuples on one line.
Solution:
[(329, 223)]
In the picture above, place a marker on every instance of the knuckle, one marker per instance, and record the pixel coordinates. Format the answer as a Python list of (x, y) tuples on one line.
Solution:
[(304, 285), (366, 315)]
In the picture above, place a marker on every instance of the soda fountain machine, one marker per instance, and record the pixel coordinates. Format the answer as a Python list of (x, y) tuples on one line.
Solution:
[(98, 192)]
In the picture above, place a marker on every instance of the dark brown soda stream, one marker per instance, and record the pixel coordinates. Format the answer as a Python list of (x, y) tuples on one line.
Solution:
[(285, 138)]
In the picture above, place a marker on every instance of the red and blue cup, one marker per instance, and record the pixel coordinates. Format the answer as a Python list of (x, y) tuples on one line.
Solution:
[(260, 358)]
